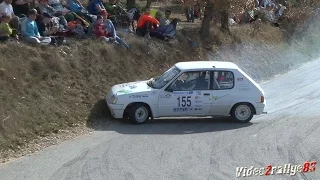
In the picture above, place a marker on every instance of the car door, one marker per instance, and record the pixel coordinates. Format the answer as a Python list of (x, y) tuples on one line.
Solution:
[(189, 99), (223, 91)]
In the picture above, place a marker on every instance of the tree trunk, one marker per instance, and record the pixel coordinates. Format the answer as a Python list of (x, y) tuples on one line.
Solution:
[(130, 3), (225, 21), (148, 5), (206, 21)]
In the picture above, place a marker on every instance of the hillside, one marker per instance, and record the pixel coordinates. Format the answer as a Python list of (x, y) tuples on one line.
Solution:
[(49, 94)]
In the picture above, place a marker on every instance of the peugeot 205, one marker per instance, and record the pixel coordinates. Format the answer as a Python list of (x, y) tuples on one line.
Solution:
[(194, 88)]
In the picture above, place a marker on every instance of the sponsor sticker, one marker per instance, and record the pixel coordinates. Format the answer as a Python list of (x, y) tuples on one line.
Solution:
[(183, 92), (139, 96), (125, 91), (181, 109)]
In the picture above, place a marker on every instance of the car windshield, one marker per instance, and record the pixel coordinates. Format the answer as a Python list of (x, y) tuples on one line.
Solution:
[(162, 80)]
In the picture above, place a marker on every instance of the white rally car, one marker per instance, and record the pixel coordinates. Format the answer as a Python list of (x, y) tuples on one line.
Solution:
[(195, 88)]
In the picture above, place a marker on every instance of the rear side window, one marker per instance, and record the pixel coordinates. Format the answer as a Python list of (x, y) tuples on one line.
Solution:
[(222, 80)]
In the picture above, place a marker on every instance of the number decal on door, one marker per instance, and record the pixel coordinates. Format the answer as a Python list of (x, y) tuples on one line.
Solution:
[(184, 101)]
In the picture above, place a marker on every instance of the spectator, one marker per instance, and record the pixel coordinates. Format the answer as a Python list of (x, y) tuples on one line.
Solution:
[(44, 7), (96, 7), (78, 8), (100, 30), (146, 24), (280, 11), (6, 8), (46, 25), (165, 32), (21, 7), (190, 14), (76, 27), (112, 34), (5, 29), (165, 20), (30, 31)]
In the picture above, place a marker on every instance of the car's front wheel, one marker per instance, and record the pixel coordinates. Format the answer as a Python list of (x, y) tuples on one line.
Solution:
[(139, 113), (242, 112)]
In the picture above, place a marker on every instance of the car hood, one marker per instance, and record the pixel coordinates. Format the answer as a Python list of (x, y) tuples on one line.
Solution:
[(131, 87)]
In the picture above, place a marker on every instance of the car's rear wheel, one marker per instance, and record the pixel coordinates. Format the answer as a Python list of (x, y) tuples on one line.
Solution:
[(139, 113), (242, 112)]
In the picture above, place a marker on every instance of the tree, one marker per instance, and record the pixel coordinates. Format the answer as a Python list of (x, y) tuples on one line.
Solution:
[(222, 7), (148, 5), (206, 21)]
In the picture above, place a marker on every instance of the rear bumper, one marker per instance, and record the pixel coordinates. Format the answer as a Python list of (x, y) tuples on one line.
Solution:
[(260, 108)]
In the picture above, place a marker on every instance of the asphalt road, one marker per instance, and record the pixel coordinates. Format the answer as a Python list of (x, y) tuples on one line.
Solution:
[(194, 149)]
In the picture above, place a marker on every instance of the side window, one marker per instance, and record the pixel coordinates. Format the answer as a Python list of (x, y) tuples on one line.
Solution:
[(190, 81), (222, 80)]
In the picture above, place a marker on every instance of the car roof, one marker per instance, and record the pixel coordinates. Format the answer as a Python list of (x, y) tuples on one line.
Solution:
[(193, 65)]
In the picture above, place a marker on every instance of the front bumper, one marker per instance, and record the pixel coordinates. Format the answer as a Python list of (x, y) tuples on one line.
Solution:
[(116, 110)]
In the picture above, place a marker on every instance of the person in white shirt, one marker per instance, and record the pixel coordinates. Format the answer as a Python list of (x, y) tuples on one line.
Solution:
[(6, 8)]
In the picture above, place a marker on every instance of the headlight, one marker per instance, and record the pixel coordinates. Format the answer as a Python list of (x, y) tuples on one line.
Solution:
[(113, 99)]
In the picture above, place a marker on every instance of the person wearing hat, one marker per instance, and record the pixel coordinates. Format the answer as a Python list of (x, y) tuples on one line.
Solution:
[(30, 32)]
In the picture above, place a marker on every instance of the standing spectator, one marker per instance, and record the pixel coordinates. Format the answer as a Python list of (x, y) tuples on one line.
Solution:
[(190, 14), (30, 31), (21, 7), (6, 8)]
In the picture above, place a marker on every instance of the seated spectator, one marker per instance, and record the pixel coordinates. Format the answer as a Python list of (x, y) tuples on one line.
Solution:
[(112, 35), (96, 7), (5, 29), (44, 7), (146, 24), (100, 30), (165, 20), (76, 27), (29, 30), (56, 4), (6, 8), (47, 24), (78, 8), (165, 32), (21, 7)]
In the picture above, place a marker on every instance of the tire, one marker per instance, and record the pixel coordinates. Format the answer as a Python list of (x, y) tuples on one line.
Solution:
[(139, 113), (242, 112)]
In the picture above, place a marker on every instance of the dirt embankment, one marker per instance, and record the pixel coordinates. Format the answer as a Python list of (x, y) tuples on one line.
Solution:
[(49, 94)]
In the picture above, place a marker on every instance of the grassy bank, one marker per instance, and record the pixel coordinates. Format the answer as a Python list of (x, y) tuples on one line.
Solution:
[(46, 90)]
